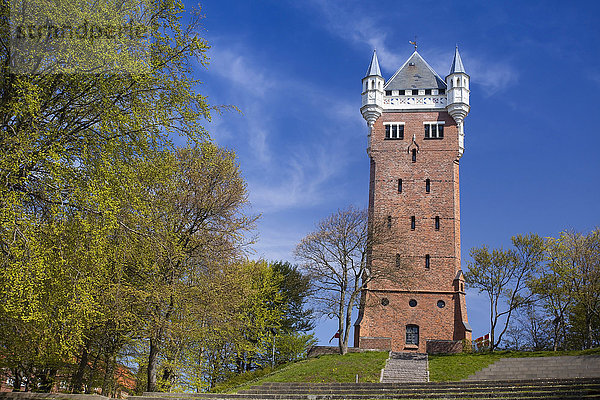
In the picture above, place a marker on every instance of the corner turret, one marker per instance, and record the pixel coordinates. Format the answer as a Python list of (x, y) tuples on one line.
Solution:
[(458, 96), (372, 95)]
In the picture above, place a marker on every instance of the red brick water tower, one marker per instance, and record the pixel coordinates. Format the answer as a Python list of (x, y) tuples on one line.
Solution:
[(416, 140)]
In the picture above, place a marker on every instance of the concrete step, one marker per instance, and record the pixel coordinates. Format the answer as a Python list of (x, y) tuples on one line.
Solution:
[(532, 389), (562, 367), (405, 367), (539, 394)]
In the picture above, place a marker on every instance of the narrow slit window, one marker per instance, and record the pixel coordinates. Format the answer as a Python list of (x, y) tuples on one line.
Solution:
[(414, 155), (389, 221), (413, 223), (427, 261), (427, 185), (399, 185), (397, 260), (437, 223)]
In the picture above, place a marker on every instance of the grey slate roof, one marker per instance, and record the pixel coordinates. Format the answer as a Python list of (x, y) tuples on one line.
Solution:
[(374, 66), (415, 74), (457, 65)]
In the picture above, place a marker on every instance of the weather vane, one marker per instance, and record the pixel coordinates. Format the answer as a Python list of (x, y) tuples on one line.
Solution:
[(414, 43)]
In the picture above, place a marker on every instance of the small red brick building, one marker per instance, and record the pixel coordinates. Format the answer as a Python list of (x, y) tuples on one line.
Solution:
[(416, 140)]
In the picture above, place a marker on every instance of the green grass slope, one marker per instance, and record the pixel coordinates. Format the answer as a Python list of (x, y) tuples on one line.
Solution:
[(368, 365), (326, 368), (455, 367)]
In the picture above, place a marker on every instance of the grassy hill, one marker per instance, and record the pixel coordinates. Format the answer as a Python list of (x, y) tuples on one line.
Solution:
[(455, 367), (326, 368), (368, 365)]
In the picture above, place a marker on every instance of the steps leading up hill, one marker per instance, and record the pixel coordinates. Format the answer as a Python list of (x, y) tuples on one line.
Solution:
[(523, 389), (562, 367), (405, 367)]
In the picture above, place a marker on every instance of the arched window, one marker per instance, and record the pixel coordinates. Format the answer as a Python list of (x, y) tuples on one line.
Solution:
[(457, 82), (412, 334), (372, 84), (414, 155), (427, 185)]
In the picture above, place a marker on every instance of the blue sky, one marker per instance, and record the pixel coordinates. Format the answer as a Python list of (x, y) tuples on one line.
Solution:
[(294, 69)]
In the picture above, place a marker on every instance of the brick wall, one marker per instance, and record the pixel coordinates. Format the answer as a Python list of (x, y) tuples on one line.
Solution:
[(436, 160), (316, 351), (444, 346)]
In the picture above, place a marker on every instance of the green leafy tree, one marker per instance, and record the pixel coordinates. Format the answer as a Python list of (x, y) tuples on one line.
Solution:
[(295, 288), (85, 137), (503, 276)]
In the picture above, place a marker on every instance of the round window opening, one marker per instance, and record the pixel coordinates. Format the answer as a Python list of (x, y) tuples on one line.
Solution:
[(385, 301), (441, 304), (412, 303)]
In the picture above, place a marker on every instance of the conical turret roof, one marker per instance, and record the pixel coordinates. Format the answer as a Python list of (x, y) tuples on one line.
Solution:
[(374, 66), (457, 64), (415, 74)]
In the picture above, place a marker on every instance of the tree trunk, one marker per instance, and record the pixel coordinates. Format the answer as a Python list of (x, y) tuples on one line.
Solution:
[(152, 365), (77, 386), (342, 343), (492, 325), (17, 380), (590, 329), (108, 376), (47, 380)]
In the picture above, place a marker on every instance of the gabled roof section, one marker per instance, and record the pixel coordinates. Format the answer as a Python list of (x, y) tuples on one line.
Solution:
[(415, 74), (374, 66), (457, 65)]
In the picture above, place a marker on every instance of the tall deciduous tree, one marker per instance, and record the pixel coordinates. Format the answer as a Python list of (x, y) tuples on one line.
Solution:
[(504, 276), (198, 226), (85, 142), (335, 257), (569, 287)]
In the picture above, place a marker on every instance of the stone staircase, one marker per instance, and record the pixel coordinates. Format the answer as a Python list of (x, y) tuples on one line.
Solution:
[(405, 367), (585, 388), (562, 367)]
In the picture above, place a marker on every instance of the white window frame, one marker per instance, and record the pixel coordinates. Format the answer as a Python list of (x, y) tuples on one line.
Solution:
[(397, 124), (437, 131)]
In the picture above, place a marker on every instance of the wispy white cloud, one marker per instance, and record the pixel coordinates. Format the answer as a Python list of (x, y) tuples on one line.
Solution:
[(595, 77), (351, 23), (304, 181), (240, 69), (365, 29), (297, 175), (492, 76)]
